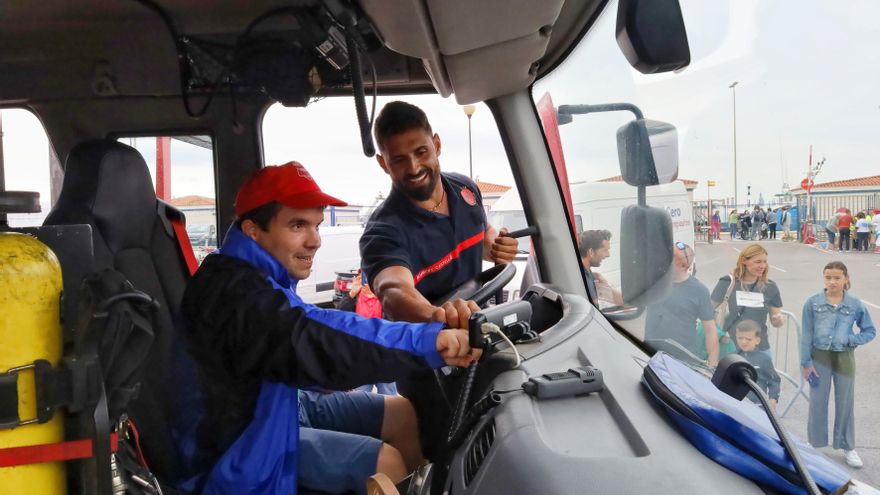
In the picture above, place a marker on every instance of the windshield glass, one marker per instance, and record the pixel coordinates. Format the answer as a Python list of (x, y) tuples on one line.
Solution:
[(776, 120)]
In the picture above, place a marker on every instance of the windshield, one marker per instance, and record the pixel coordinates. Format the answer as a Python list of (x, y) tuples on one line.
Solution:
[(776, 118)]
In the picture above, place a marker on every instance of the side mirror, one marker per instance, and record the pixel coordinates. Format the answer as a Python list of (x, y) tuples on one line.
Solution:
[(645, 254), (652, 36), (648, 152)]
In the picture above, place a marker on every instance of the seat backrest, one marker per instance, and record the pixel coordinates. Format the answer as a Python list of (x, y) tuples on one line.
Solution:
[(108, 186)]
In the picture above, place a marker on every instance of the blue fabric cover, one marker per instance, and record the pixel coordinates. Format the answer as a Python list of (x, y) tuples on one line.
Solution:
[(736, 434)]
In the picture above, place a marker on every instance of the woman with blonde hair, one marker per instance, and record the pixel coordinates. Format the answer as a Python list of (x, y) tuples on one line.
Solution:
[(750, 294)]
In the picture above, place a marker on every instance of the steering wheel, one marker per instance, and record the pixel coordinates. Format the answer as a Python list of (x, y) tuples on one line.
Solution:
[(482, 287)]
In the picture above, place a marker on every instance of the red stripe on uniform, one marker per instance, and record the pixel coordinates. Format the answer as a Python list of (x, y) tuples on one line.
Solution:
[(436, 267)]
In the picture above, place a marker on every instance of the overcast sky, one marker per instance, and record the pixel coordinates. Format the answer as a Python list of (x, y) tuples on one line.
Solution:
[(808, 74)]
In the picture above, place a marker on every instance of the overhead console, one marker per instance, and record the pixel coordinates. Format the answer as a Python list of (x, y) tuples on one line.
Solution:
[(454, 38)]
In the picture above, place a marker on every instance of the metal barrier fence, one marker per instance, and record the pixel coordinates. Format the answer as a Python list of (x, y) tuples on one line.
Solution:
[(785, 343)]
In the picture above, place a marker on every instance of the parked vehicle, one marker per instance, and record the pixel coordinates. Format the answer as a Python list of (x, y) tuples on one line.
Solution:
[(598, 205), (343, 284), (339, 253)]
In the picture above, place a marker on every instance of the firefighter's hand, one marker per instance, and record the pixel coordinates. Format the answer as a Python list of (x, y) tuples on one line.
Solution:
[(455, 314), (503, 248), (454, 348)]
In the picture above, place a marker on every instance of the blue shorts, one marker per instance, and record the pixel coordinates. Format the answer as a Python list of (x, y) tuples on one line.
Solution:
[(381, 388), (339, 439)]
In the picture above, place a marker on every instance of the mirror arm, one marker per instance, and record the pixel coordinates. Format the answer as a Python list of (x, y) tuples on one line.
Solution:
[(604, 107)]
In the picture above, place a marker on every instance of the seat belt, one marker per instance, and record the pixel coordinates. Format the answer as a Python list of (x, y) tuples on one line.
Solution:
[(185, 246), (179, 233)]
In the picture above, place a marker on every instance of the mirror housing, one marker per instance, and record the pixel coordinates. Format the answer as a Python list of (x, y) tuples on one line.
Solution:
[(648, 152), (645, 254), (652, 36)]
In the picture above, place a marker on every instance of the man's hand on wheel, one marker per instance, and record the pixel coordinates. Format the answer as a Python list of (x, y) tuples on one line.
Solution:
[(454, 348), (503, 248), (455, 313)]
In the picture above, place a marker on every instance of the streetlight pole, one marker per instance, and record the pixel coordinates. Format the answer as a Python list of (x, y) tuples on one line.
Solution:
[(735, 195), (709, 216), (469, 111)]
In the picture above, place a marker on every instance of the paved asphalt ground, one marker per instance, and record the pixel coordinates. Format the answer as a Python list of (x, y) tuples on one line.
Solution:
[(797, 270)]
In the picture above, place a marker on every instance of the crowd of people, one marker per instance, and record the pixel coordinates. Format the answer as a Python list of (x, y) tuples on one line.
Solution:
[(756, 223), (859, 232), (846, 231), (734, 317)]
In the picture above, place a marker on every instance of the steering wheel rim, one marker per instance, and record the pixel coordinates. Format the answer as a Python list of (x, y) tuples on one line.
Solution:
[(482, 287)]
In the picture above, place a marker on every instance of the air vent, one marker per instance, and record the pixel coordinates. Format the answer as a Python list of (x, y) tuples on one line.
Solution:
[(478, 451)]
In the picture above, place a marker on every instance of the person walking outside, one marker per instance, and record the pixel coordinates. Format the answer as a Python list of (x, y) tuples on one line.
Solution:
[(716, 225), (746, 219), (875, 222), (756, 223), (785, 220), (754, 295), (674, 317), (772, 218), (832, 229), (863, 232), (828, 356), (732, 224), (843, 224)]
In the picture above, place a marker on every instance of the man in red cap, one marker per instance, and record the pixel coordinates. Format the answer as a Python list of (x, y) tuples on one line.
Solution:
[(256, 342)]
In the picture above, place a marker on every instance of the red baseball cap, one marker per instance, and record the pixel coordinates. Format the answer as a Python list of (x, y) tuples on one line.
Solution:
[(289, 184)]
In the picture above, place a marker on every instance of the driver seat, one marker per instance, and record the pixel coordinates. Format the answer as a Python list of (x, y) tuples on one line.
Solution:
[(107, 185)]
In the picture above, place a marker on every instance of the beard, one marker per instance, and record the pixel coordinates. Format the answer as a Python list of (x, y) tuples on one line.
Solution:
[(421, 193)]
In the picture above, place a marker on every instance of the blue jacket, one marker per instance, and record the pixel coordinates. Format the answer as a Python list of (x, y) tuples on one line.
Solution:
[(830, 328), (255, 341)]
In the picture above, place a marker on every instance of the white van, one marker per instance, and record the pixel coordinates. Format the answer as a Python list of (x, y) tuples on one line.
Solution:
[(597, 205), (339, 253)]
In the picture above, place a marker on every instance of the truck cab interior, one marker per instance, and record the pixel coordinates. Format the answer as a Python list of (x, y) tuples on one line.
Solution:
[(93, 71)]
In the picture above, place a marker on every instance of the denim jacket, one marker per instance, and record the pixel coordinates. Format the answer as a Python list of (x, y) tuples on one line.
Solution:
[(830, 328)]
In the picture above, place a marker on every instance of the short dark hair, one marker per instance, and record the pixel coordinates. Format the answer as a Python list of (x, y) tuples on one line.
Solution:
[(398, 117), (592, 239), (261, 215), (748, 326)]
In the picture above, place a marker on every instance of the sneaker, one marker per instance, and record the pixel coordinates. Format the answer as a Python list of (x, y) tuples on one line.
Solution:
[(853, 459)]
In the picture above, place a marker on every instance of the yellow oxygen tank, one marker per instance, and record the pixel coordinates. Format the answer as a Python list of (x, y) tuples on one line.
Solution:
[(30, 329)]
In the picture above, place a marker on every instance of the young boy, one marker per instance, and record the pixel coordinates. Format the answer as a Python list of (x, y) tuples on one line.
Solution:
[(748, 336)]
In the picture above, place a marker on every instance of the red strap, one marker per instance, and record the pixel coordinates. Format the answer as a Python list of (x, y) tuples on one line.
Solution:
[(446, 260), (185, 246), (51, 452)]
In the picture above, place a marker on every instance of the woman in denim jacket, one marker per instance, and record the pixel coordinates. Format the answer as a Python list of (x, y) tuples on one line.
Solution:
[(827, 354)]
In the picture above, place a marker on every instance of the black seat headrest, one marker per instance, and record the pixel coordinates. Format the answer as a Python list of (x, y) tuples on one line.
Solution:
[(108, 183)]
